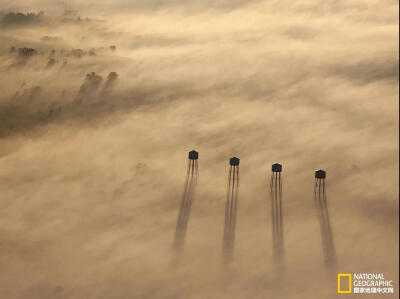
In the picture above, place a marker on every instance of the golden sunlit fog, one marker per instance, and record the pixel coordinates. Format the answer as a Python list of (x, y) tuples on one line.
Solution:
[(100, 103)]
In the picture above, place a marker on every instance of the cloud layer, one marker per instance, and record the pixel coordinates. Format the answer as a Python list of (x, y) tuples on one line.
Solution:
[(97, 119)]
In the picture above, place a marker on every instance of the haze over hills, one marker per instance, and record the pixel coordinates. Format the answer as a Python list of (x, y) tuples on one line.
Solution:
[(101, 101)]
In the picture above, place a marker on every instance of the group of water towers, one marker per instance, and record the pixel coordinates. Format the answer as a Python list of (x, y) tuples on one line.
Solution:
[(234, 162), (276, 202)]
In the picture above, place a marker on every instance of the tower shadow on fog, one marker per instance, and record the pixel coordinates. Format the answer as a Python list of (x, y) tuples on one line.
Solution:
[(277, 215), (187, 199), (321, 207), (230, 210)]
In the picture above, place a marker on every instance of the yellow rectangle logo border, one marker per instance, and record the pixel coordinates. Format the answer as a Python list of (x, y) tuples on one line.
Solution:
[(339, 289)]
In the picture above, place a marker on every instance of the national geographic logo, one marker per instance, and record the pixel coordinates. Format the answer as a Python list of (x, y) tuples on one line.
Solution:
[(364, 283), (344, 283)]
